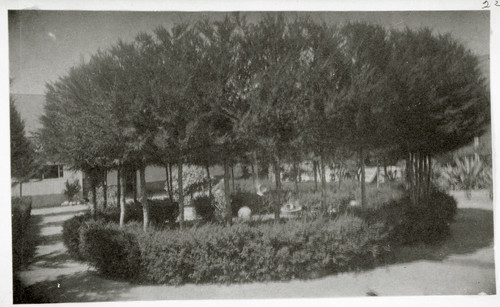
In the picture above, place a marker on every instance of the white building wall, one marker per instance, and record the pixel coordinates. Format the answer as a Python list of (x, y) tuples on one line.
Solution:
[(47, 186)]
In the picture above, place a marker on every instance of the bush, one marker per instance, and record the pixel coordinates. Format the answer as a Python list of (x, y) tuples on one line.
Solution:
[(71, 234), (242, 253), (258, 204), (204, 208), (21, 213), (264, 251), (162, 210), (428, 222), (113, 252), (72, 189)]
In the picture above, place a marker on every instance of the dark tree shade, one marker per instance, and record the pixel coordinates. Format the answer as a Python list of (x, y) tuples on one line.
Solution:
[(22, 155)]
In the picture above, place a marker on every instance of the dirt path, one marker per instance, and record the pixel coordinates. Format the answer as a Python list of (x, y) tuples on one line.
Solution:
[(463, 264)]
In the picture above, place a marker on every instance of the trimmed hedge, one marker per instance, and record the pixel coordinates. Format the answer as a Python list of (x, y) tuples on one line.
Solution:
[(264, 251), (113, 252), (21, 213), (71, 234), (240, 253), (428, 222), (160, 211), (204, 208)]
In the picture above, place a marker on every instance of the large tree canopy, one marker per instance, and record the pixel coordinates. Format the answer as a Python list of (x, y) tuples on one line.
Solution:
[(218, 92)]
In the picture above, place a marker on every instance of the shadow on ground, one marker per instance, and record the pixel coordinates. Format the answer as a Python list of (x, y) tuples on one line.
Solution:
[(471, 231), (28, 249), (85, 286)]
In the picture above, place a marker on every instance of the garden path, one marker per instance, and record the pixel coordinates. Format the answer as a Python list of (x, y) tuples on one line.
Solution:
[(463, 264)]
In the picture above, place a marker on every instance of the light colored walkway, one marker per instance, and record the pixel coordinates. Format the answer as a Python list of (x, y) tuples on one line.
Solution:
[(463, 264)]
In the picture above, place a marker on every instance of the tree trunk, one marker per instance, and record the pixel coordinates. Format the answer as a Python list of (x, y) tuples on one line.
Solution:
[(315, 171), (144, 198), (135, 186), (118, 188), (295, 178), (209, 181), (363, 181), (386, 175), (20, 189), (167, 183), (171, 179), (105, 189), (277, 176), (124, 185), (429, 175), (323, 184), (120, 196), (227, 194), (232, 175), (94, 197), (181, 194), (340, 178), (254, 180), (378, 179)]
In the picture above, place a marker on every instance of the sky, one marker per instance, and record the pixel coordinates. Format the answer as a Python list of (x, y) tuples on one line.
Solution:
[(43, 45)]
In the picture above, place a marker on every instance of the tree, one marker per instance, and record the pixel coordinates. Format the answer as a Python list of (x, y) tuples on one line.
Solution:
[(441, 102), (325, 75), (173, 96), (362, 101), (22, 155), (78, 126), (275, 111), (221, 91)]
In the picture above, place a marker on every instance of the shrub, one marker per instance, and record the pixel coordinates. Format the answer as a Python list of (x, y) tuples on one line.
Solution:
[(21, 212), (258, 204), (466, 174), (194, 179), (428, 222), (270, 251), (71, 189), (204, 208), (113, 252), (162, 210), (71, 234)]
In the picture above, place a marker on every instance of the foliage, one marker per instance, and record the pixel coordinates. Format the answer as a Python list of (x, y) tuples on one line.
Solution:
[(410, 224), (113, 252), (163, 210), (21, 212), (160, 210), (71, 189), (241, 253), (466, 173), (22, 154), (217, 92), (71, 234), (194, 180), (204, 208), (264, 251), (258, 204)]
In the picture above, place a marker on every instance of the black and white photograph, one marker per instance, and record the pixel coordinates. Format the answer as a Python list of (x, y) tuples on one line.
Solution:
[(234, 154)]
